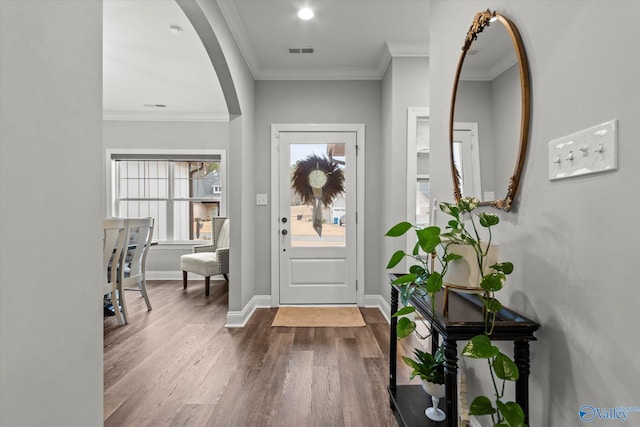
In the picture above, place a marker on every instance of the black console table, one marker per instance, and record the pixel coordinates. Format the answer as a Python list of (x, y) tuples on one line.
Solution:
[(463, 321)]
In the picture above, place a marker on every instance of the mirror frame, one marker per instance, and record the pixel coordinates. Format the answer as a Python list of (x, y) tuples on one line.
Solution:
[(480, 22)]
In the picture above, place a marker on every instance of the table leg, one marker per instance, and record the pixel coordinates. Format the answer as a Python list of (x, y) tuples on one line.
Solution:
[(451, 382), (393, 341), (435, 339), (521, 359)]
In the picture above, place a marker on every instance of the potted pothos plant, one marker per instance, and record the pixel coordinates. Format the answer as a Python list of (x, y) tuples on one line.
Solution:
[(463, 228)]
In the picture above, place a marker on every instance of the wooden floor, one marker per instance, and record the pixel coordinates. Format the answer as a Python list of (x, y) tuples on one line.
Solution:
[(177, 365)]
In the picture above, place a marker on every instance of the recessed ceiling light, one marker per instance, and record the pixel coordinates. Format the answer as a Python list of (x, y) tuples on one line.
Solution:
[(305, 14), (175, 29)]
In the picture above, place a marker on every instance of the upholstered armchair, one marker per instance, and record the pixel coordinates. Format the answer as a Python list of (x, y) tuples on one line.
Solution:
[(211, 259)]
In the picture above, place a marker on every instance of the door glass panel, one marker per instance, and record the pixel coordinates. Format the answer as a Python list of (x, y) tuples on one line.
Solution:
[(328, 218)]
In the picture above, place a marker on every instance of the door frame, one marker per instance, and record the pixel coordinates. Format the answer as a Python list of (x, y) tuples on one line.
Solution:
[(359, 129)]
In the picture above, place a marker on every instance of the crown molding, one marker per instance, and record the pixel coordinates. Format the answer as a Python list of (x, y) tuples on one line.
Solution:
[(368, 73), (477, 74), (136, 116), (407, 49), (391, 50), (400, 50)]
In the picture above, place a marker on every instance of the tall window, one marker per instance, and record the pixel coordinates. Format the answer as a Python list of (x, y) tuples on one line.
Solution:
[(183, 195)]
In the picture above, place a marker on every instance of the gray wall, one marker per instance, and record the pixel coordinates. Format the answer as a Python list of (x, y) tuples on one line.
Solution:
[(573, 242), (317, 102), (405, 84), (152, 134), (51, 211)]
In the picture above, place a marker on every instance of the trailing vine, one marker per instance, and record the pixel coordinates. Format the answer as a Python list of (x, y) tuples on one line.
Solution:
[(501, 367), (423, 279)]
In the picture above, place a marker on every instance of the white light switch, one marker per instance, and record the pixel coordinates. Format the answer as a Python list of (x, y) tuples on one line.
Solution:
[(589, 151), (261, 200)]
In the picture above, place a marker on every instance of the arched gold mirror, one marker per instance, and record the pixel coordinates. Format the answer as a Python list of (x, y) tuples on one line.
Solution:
[(490, 112)]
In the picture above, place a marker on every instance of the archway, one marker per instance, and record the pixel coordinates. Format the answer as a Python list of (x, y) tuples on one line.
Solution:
[(210, 42)]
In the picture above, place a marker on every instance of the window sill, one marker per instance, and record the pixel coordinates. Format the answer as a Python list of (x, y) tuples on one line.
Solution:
[(178, 245)]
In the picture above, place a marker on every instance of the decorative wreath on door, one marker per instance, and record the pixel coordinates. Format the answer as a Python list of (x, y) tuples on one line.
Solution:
[(317, 178), (318, 181)]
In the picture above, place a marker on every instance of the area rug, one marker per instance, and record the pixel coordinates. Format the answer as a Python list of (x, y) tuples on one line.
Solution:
[(318, 317)]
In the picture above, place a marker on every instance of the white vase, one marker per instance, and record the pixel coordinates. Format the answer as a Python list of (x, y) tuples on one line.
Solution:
[(436, 391), (433, 389)]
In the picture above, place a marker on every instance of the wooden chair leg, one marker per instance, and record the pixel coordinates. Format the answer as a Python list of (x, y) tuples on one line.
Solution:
[(143, 290), (121, 302), (115, 303), (184, 279), (207, 282)]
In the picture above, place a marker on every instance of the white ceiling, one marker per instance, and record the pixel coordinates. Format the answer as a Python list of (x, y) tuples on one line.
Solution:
[(348, 36), (146, 65)]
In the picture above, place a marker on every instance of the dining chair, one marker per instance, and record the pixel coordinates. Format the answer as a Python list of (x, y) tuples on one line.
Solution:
[(114, 246), (132, 275)]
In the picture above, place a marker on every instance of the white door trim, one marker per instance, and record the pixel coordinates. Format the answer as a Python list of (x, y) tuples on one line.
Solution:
[(413, 114), (359, 129)]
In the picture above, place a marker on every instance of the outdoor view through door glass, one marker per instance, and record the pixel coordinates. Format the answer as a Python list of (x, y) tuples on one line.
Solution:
[(323, 167)]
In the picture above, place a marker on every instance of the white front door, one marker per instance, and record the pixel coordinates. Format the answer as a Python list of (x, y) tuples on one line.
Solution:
[(317, 217)]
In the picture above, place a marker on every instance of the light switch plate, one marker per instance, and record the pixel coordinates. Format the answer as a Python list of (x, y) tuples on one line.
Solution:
[(589, 151), (262, 200)]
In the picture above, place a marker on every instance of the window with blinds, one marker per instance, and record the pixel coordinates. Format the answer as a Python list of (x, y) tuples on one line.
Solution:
[(181, 194)]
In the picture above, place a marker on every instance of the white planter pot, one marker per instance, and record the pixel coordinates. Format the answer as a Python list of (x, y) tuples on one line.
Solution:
[(464, 272), (437, 392), (433, 389)]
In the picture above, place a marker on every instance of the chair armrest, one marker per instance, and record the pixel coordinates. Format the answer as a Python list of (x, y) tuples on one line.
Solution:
[(203, 248), (222, 254)]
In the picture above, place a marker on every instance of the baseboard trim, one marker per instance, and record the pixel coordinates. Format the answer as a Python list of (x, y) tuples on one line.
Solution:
[(376, 301), (238, 319)]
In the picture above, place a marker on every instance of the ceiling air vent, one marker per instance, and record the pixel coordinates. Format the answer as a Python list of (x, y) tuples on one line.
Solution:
[(297, 50)]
